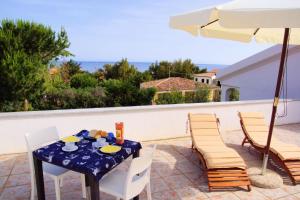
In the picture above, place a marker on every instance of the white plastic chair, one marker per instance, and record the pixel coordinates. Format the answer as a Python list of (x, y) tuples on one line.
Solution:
[(37, 140), (126, 185)]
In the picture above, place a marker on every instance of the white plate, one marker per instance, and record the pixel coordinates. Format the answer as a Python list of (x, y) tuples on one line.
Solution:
[(97, 145), (65, 148)]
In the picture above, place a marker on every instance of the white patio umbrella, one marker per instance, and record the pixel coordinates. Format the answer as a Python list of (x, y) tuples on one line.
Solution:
[(265, 21)]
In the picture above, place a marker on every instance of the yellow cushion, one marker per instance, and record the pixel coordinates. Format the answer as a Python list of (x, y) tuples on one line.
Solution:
[(206, 138), (257, 132)]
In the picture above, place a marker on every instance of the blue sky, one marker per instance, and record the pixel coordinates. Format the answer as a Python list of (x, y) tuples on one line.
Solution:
[(108, 30)]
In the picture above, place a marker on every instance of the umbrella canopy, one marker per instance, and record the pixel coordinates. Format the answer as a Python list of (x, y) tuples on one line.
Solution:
[(266, 21), (243, 20)]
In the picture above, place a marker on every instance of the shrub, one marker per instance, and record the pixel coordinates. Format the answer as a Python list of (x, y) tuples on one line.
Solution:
[(83, 80), (202, 94), (72, 98), (145, 96), (174, 97), (234, 94), (189, 97)]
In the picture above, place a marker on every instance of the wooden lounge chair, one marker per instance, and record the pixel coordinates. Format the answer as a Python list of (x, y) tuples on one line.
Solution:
[(256, 133), (223, 166)]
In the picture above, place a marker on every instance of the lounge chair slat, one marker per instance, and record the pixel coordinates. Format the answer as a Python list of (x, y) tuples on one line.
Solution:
[(233, 178), (229, 184), (256, 134), (221, 163), (226, 175)]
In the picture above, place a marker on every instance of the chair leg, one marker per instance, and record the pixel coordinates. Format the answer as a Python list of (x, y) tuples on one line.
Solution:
[(149, 192), (61, 182), (33, 190), (82, 176), (249, 188), (244, 141), (57, 188)]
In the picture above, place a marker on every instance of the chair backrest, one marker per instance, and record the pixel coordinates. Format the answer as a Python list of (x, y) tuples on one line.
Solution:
[(202, 123), (139, 174), (204, 127), (38, 139), (253, 122)]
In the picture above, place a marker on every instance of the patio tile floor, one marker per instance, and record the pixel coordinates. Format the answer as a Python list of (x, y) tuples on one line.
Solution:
[(176, 173)]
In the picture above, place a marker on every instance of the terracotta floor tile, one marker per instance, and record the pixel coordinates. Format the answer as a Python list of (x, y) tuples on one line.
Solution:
[(291, 189), (178, 181), (158, 185), (71, 185), (273, 193), (20, 169), (189, 193), (188, 166), (5, 170), (227, 196), (290, 197), (198, 178), (2, 181), (16, 180), (166, 172), (297, 195), (253, 195), (165, 195), (165, 169), (154, 173), (72, 175), (16, 193)]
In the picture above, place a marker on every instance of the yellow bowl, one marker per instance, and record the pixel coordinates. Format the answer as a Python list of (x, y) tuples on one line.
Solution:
[(110, 149), (71, 139)]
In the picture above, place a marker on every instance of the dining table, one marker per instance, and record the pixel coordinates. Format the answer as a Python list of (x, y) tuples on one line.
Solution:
[(87, 160)]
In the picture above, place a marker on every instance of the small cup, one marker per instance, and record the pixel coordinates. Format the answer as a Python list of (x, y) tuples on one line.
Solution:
[(101, 141), (70, 145)]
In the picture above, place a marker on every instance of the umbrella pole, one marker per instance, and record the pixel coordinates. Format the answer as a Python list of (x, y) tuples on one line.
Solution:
[(276, 98)]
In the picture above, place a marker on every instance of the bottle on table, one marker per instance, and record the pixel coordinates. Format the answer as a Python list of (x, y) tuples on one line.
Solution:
[(119, 133)]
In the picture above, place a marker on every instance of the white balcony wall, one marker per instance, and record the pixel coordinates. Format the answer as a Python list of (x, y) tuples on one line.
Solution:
[(141, 122)]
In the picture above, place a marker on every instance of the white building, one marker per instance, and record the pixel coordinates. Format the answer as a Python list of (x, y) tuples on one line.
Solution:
[(255, 77), (206, 78)]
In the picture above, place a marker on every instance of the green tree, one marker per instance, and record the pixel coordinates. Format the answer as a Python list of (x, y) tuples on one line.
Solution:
[(120, 70), (83, 80), (179, 68), (25, 50), (160, 70), (69, 69)]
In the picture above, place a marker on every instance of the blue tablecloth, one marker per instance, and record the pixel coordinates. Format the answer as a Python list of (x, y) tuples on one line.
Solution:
[(86, 159)]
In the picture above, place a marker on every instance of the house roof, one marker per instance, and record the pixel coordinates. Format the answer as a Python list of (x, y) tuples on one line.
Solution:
[(210, 74), (206, 74), (172, 83), (267, 55)]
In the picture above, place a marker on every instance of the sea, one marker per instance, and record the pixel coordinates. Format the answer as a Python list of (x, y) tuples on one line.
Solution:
[(92, 66)]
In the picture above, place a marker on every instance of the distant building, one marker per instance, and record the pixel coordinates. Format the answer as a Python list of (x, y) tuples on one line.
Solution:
[(172, 83), (255, 77), (183, 85), (206, 78)]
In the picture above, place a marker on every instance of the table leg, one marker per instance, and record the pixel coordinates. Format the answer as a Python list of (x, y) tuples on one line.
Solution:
[(135, 155), (94, 187), (87, 188), (39, 178)]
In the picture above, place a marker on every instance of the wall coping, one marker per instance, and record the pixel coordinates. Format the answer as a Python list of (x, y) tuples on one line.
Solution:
[(109, 110)]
